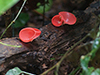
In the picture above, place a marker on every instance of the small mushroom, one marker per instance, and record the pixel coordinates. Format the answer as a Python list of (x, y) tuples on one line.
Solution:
[(68, 17), (57, 21), (29, 34)]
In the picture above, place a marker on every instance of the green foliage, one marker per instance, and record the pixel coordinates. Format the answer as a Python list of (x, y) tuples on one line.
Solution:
[(52, 58), (47, 7), (96, 72), (17, 71), (6, 4), (73, 72), (86, 58), (14, 71), (22, 20)]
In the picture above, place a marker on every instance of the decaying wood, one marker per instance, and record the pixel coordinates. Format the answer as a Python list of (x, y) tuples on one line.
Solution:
[(33, 56)]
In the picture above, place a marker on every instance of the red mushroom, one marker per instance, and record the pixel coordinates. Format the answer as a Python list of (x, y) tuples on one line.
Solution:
[(29, 34), (57, 21), (68, 17)]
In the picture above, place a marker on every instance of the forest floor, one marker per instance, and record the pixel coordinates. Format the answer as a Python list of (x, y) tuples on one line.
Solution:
[(36, 21)]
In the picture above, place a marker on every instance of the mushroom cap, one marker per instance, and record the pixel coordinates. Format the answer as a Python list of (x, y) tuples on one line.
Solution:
[(68, 17), (57, 21), (29, 34)]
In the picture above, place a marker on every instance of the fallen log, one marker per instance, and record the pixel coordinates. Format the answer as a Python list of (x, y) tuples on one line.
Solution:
[(35, 57)]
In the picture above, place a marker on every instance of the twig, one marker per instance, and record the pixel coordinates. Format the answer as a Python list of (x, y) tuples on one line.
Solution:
[(14, 19), (9, 45)]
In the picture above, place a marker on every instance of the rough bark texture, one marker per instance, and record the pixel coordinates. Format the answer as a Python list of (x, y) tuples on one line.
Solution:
[(54, 40)]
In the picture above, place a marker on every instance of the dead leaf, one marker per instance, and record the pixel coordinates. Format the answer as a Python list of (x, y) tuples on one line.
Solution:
[(44, 66)]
